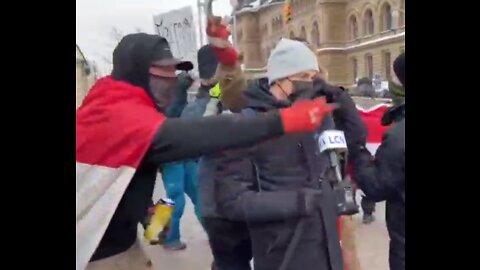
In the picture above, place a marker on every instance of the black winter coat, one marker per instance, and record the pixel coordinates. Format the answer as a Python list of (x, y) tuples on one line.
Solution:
[(384, 180), (273, 186)]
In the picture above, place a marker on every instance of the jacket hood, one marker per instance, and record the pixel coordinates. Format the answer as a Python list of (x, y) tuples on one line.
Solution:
[(132, 58)]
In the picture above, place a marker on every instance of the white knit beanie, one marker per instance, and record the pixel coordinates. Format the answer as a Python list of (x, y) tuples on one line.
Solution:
[(290, 57)]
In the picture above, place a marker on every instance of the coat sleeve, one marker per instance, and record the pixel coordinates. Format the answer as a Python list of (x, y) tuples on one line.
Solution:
[(180, 138), (384, 177), (348, 119), (238, 197)]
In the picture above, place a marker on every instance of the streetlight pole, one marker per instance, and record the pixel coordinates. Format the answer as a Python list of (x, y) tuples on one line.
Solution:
[(201, 6)]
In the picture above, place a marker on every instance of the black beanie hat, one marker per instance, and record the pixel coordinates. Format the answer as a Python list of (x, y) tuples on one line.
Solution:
[(399, 68), (207, 62)]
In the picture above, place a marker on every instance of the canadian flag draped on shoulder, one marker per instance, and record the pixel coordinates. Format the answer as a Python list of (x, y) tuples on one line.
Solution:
[(114, 128)]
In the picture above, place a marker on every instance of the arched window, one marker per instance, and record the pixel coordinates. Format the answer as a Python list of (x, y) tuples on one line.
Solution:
[(387, 64), (386, 17), (315, 34), (353, 27), (292, 34), (354, 69), (369, 66), (368, 24), (303, 33)]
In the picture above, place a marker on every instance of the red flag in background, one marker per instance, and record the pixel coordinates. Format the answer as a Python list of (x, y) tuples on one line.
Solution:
[(372, 117)]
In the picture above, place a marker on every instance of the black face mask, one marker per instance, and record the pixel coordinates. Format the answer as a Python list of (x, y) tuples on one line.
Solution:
[(162, 91), (301, 90)]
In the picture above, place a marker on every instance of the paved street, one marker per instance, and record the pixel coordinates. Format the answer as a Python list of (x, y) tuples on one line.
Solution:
[(372, 243)]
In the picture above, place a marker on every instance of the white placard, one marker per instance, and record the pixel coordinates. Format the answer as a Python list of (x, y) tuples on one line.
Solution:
[(178, 27)]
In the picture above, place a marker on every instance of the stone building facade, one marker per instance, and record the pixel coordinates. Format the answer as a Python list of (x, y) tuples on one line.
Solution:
[(352, 38)]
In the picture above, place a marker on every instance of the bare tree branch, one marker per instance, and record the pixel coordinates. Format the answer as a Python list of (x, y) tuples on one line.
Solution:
[(116, 34)]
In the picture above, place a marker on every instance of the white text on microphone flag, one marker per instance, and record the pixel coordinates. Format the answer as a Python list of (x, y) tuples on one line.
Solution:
[(332, 139)]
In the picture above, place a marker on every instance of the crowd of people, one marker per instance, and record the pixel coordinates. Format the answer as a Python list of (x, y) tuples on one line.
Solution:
[(244, 151)]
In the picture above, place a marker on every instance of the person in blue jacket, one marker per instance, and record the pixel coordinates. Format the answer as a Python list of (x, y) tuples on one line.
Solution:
[(180, 178)]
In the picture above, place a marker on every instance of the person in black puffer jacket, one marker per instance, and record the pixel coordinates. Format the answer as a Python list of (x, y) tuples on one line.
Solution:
[(229, 240), (278, 187), (384, 179)]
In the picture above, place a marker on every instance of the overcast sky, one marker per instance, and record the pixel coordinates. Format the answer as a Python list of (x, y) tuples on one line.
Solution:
[(96, 19)]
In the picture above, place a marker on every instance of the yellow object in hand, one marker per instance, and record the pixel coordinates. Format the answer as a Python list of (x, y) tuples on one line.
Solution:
[(156, 230), (216, 91)]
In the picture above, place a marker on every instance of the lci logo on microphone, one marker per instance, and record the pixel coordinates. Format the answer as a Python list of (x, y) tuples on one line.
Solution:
[(332, 139)]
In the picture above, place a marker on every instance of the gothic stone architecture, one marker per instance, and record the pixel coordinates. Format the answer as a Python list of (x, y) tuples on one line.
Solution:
[(352, 38)]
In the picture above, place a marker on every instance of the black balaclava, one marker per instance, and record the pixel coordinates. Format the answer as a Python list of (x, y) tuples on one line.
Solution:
[(162, 91), (132, 59)]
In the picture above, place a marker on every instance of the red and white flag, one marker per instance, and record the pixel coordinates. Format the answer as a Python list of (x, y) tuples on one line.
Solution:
[(372, 118), (114, 128)]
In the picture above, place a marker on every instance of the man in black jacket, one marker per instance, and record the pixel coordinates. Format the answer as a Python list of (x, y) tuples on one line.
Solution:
[(384, 179), (229, 240), (144, 72)]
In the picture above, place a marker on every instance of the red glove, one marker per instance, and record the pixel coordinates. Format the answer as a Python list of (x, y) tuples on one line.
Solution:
[(218, 34), (304, 115), (216, 28)]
